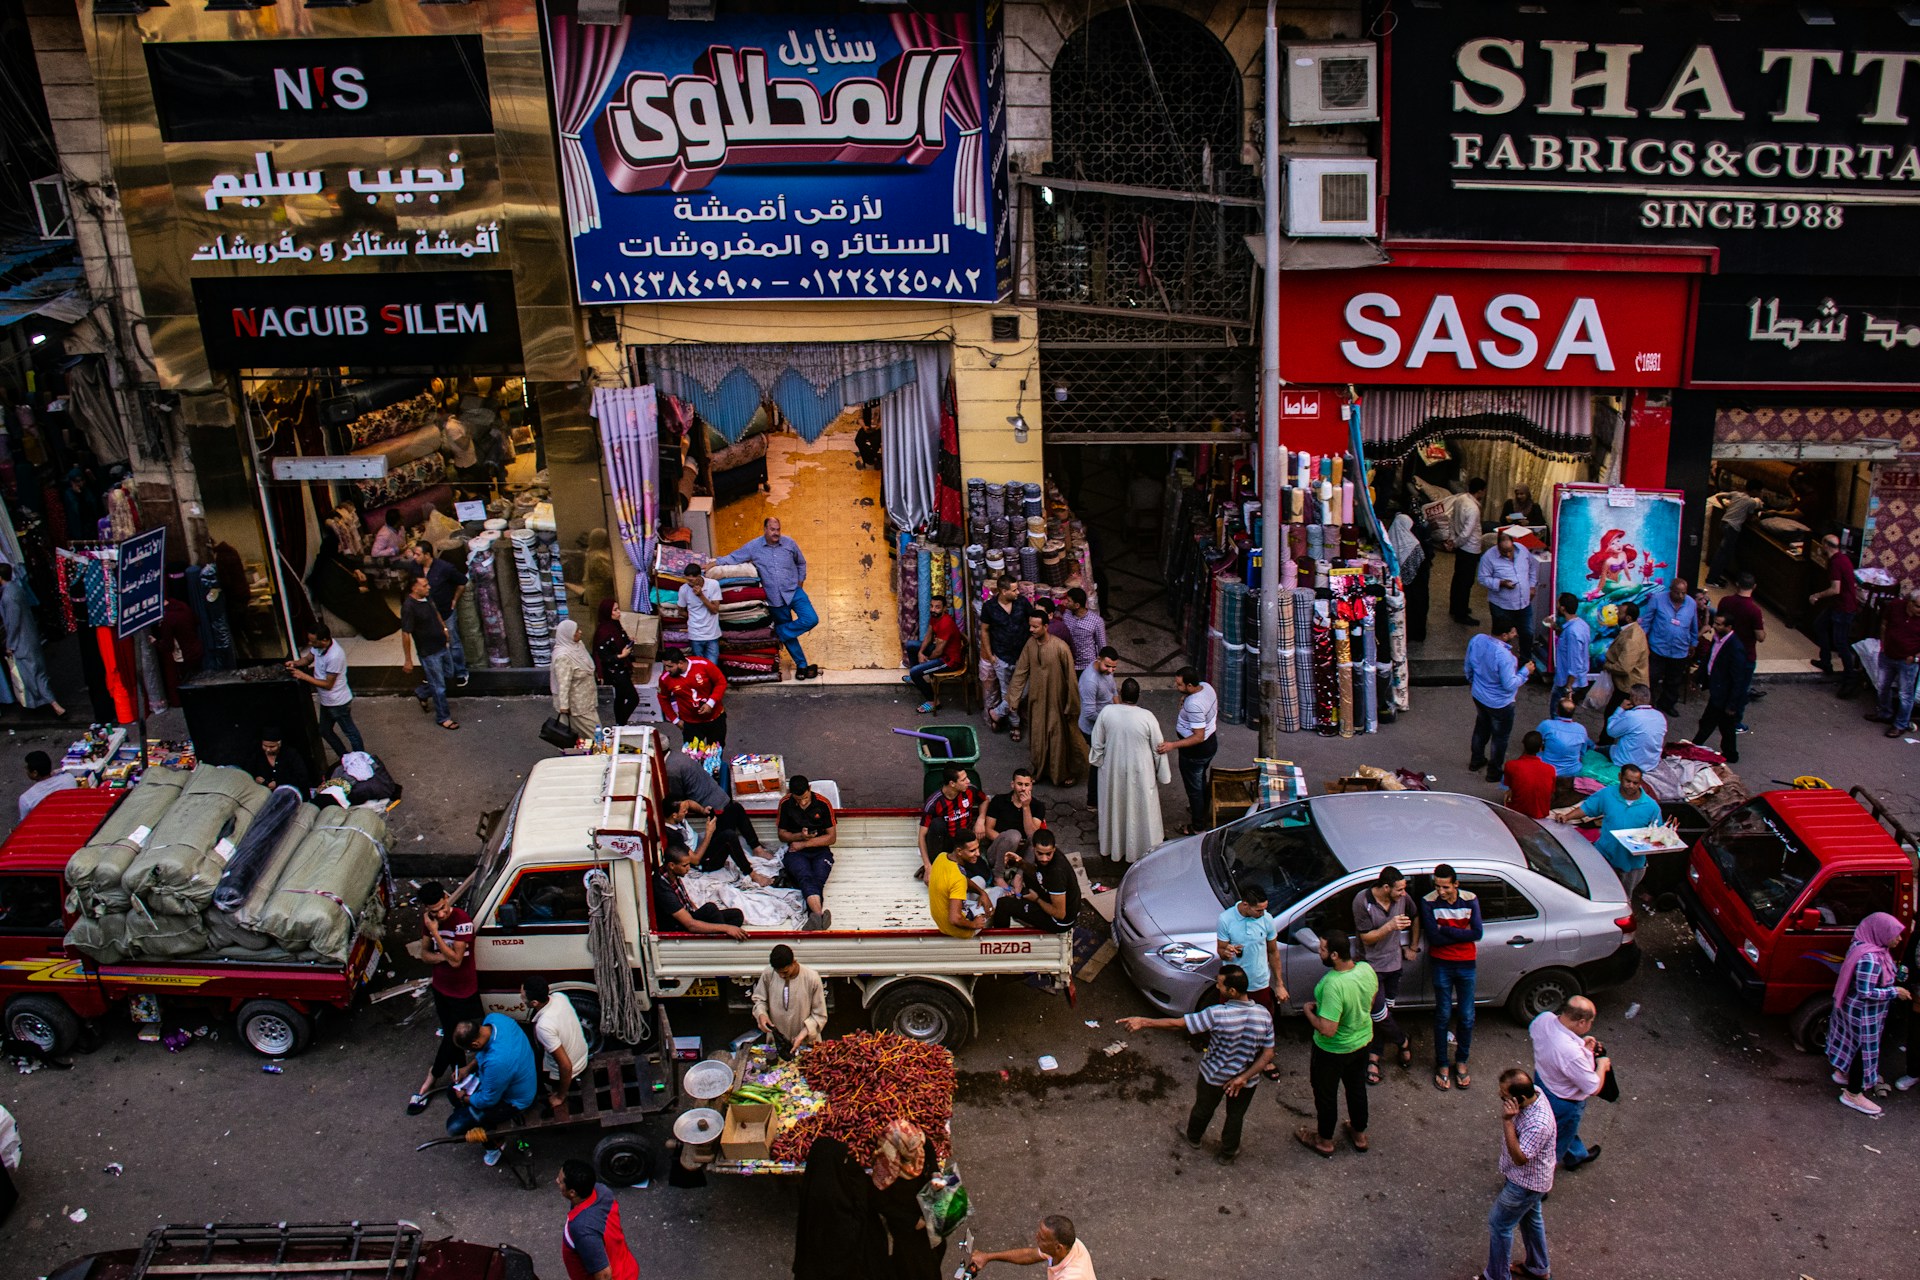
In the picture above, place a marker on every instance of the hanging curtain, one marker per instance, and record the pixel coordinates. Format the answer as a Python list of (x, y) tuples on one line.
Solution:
[(962, 105), (584, 59), (1550, 421), (953, 523), (630, 449), (910, 440), (812, 383)]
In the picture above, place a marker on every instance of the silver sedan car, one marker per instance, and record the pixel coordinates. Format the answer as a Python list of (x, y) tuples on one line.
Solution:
[(1556, 920)]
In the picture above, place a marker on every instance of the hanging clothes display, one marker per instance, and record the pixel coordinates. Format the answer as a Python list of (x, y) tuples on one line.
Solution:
[(630, 456)]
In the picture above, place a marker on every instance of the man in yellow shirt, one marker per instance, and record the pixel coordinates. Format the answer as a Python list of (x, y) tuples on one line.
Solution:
[(950, 884)]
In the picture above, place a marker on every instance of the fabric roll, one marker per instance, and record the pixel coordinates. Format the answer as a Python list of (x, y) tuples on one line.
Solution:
[(466, 619), (1233, 684), (1369, 667), (1397, 648), (533, 605), (1029, 564), (925, 589), (486, 606), (1303, 655), (1326, 677), (1343, 665)]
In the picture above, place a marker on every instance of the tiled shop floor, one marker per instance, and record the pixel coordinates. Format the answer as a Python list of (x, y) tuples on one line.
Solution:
[(832, 509)]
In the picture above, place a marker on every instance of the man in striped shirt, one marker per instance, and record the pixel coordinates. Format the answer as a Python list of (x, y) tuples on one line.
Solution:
[(1239, 1047)]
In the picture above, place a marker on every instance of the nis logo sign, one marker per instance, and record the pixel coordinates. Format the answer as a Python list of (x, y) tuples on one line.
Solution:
[(319, 88)]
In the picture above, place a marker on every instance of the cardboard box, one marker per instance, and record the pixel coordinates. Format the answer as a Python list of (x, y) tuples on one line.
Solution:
[(686, 1048), (648, 688), (748, 1134), (768, 774), (644, 630)]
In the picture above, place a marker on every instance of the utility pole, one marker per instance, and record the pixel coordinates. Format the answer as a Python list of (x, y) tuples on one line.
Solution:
[(1272, 466)]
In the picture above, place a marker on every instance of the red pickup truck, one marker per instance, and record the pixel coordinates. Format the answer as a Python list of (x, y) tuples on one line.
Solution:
[(1774, 889), (49, 990)]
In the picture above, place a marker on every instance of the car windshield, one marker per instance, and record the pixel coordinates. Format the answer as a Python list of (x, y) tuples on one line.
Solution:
[(493, 858), (1281, 850), (1761, 861), (1545, 855)]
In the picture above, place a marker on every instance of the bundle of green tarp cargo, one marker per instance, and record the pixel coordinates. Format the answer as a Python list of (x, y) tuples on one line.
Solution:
[(327, 894), (305, 885), (95, 872)]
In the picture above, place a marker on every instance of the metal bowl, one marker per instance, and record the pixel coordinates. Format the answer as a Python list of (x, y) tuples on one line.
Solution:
[(698, 1126), (709, 1079)]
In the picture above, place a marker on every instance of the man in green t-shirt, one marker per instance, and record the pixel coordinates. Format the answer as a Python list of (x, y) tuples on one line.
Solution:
[(1341, 1014)]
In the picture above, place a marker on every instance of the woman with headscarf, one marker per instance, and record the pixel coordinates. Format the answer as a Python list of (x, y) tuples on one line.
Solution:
[(903, 1163), (1866, 987), (613, 655), (339, 585), (836, 1215), (576, 696), (1415, 566)]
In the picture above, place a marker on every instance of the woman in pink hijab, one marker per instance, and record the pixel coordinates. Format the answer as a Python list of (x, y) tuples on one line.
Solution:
[(1867, 986)]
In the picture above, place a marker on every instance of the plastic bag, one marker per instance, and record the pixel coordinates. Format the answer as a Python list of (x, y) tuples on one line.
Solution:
[(943, 1205)]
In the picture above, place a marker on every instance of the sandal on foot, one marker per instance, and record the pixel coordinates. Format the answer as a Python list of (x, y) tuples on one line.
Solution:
[(1442, 1081), (926, 708), (449, 724), (1357, 1140), (1306, 1136), (1373, 1071), (1014, 735), (416, 1104), (1461, 1080), (1406, 1056)]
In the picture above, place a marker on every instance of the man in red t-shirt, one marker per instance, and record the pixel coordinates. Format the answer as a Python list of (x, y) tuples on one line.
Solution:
[(692, 693), (942, 650), (446, 943), (1530, 779), (1834, 628)]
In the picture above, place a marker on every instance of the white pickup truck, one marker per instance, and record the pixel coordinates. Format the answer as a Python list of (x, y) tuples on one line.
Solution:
[(529, 906)]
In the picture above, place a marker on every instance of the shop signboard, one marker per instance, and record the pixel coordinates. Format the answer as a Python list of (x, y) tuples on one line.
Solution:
[(809, 154), (142, 580), (1788, 331), (1613, 546), (373, 320), (1786, 145), (1389, 325), (376, 87)]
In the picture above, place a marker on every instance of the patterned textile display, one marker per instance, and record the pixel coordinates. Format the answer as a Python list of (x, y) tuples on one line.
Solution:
[(466, 620), (1233, 684), (1343, 673), (403, 481), (1326, 680), (1303, 661), (1289, 671), (1369, 675), (394, 420), (533, 605), (629, 419), (400, 450), (486, 603)]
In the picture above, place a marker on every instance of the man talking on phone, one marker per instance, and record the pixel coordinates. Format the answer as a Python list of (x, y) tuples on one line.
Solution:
[(1526, 1162)]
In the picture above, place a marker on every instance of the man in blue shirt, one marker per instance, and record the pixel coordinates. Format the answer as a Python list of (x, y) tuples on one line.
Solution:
[(504, 1081), (1249, 937), (1624, 806), (1572, 650), (783, 576), (1672, 624), (1507, 572), (1566, 743), (1496, 677), (1638, 730)]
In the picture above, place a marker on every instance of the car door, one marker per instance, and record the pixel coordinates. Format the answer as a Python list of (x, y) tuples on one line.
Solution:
[(1514, 939), (538, 926), (1301, 930)]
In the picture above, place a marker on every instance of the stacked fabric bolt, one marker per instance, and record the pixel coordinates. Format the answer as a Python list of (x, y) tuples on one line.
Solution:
[(1031, 503), (1343, 674), (1303, 660), (1397, 648), (486, 599), (1369, 711), (1029, 565), (533, 605)]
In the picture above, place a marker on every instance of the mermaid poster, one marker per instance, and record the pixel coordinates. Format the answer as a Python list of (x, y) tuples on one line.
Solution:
[(1612, 547)]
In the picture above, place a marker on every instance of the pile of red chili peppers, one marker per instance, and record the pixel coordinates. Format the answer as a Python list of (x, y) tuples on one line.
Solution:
[(871, 1078)]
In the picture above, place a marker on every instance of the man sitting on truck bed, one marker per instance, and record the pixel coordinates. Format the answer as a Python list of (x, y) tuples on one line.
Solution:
[(673, 910), (957, 808), (729, 833), (806, 824), (951, 882)]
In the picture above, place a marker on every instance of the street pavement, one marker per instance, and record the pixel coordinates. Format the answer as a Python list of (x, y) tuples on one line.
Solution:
[(1727, 1154)]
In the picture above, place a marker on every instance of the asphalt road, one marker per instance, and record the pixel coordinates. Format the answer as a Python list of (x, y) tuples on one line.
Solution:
[(1728, 1154)]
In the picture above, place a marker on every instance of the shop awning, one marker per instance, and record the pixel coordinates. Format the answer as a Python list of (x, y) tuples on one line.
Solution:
[(58, 294)]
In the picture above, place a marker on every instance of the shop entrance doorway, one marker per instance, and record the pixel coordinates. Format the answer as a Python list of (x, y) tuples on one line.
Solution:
[(831, 504)]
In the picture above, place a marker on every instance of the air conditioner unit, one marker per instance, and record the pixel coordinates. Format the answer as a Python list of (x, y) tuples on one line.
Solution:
[(1332, 83), (1331, 196)]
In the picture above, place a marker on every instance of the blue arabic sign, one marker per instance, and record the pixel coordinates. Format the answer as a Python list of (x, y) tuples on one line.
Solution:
[(142, 590), (843, 156)]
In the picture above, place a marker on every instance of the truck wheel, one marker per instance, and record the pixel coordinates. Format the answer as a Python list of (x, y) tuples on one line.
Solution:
[(586, 1007), (626, 1159), (924, 1012), (44, 1023), (274, 1029), (1809, 1024), (1542, 991)]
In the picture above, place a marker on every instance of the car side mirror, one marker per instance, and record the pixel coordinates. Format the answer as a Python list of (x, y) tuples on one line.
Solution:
[(507, 916), (1305, 937), (1807, 919), (483, 829)]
